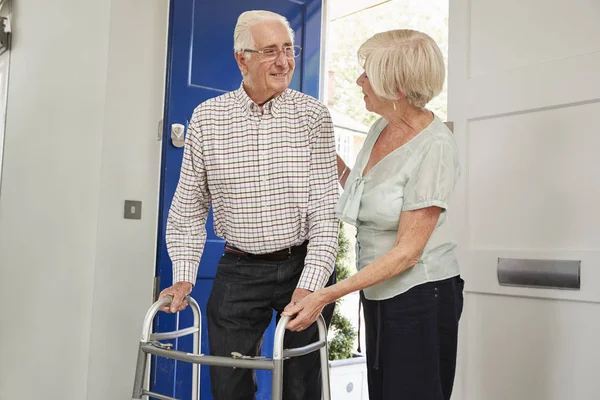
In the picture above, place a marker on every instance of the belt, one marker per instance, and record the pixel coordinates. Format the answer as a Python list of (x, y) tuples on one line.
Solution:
[(278, 255)]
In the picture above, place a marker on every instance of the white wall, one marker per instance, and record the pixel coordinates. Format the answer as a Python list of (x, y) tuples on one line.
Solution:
[(85, 96), (125, 253)]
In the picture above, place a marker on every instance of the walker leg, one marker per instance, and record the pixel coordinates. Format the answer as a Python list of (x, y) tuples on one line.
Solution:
[(277, 381), (140, 373), (324, 359), (196, 350)]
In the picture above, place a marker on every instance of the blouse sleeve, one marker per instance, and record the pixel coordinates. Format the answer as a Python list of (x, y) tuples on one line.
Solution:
[(432, 181)]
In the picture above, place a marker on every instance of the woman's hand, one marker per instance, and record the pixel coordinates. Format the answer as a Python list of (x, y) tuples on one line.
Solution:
[(343, 170), (305, 312)]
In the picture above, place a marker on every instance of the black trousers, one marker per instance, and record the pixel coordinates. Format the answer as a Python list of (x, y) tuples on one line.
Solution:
[(411, 342), (240, 308)]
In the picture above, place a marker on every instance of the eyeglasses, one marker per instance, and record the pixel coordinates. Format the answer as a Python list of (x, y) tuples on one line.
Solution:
[(272, 53)]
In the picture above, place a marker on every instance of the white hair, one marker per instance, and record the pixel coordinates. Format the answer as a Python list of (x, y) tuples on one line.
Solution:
[(242, 35), (404, 61)]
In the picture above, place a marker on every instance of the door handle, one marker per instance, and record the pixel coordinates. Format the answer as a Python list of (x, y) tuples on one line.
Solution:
[(178, 135)]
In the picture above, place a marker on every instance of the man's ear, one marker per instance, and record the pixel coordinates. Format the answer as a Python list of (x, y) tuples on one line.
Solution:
[(241, 62)]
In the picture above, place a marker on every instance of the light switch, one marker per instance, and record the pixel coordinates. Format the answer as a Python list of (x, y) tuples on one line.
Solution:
[(133, 209)]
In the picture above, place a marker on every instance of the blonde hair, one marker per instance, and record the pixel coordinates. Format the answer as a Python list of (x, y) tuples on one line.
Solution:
[(403, 61), (242, 34)]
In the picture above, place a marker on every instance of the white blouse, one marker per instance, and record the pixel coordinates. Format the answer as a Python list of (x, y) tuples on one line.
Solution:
[(419, 174)]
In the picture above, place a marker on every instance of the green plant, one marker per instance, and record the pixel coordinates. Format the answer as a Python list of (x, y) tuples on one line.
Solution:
[(344, 334)]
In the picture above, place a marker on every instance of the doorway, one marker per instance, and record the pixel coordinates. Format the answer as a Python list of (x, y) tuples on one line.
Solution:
[(349, 24)]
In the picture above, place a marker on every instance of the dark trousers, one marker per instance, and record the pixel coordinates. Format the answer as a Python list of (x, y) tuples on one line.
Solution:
[(411, 342), (240, 308)]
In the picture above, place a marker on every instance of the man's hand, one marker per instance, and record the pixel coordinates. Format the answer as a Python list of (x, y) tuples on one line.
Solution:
[(306, 311), (297, 297), (299, 294), (178, 291)]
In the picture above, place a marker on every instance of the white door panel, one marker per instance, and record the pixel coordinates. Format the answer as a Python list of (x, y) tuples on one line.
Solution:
[(526, 349), (528, 33), (560, 83), (524, 93), (533, 180)]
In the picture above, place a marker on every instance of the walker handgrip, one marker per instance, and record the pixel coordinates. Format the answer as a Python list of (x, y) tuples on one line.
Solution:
[(170, 299)]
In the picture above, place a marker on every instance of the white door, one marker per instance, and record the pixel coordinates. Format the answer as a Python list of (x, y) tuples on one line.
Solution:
[(524, 95)]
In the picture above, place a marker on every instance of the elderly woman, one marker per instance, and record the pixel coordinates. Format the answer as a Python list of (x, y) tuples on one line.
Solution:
[(397, 196)]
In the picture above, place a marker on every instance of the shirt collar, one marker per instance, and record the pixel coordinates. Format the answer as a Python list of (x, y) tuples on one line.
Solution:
[(272, 106)]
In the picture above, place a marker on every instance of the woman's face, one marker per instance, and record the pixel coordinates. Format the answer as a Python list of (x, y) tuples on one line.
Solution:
[(372, 102)]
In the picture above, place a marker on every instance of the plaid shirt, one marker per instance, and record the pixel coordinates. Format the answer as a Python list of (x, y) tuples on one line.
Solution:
[(271, 178)]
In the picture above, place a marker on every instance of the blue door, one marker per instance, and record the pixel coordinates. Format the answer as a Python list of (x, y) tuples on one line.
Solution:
[(201, 65)]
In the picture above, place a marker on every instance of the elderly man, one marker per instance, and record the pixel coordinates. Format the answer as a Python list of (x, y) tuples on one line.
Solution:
[(264, 155)]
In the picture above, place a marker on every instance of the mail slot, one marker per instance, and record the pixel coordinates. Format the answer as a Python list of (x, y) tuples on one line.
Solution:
[(555, 274)]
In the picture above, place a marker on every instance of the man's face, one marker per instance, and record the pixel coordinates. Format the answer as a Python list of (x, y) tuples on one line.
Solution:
[(268, 78)]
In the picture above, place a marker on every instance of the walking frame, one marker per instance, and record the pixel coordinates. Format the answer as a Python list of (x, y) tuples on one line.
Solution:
[(150, 344)]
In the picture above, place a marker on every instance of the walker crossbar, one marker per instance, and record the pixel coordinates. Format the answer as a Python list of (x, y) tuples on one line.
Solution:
[(150, 345)]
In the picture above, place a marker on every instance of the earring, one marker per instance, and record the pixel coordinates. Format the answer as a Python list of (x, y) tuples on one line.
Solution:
[(394, 103)]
